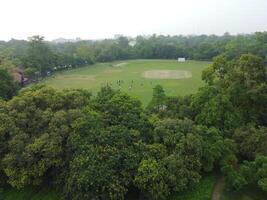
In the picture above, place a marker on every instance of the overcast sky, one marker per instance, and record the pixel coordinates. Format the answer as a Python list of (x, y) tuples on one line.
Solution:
[(95, 19)]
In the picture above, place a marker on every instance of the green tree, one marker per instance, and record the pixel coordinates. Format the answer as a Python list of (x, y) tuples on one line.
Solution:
[(248, 88), (37, 128), (120, 109), (8, 87), (104, 159), (158, 100), (235, 94), (85, 52), (39, 55), (249, 173), (151, 179), (251, 141)]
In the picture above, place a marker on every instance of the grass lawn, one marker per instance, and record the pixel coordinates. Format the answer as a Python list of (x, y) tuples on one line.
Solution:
[(30, 194), (177, 78), (203, 191)]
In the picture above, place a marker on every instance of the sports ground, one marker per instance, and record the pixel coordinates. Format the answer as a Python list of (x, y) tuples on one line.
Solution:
[(135, 77)]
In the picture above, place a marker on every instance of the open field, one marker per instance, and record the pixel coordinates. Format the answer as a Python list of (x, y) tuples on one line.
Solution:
[(137, 77)]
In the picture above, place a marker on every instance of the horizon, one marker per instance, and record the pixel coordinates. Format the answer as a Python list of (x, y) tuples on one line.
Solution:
[(131, 37)]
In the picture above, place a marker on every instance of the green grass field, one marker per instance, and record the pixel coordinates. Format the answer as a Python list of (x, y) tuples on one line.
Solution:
[(186, 78)]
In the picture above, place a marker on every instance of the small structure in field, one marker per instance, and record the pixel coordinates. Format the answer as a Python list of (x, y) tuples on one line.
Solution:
[(181, 59)]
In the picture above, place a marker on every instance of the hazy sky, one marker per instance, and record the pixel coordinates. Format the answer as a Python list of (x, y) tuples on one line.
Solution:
[(94, 19)]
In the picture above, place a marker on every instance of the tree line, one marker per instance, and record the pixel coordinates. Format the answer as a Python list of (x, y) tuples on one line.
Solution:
[(38, 57), (108, 146)]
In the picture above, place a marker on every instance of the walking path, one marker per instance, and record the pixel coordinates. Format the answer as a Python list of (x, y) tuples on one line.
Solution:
[(218, 189)]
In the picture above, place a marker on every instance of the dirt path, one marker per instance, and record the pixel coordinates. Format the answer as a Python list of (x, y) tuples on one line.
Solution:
[(218, 188)]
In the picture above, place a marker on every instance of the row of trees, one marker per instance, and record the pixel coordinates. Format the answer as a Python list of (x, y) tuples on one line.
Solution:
[(37, 57), (107, 146)]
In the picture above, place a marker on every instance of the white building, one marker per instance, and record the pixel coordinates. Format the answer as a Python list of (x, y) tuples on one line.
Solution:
[(181, 59)]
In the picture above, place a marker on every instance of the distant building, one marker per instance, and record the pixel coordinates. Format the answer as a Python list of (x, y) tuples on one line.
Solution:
[(181, 60)]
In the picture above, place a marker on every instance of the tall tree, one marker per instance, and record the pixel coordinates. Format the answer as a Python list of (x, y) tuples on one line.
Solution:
[(39, 55)]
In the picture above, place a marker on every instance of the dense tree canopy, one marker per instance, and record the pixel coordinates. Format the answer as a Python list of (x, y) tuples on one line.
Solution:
[(37, 128), (107, 145), (235, 94), (99, 149)]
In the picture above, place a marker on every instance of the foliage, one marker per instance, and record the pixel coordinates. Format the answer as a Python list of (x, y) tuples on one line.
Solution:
[(249, 173), (106, 153), (158, 100), (251, 141), (44, 56), (235, 93), (36, 129), (181, 150), (202, 191), (8, 87), (251, 192), (100, 147), (151, 178), (39, 55)]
